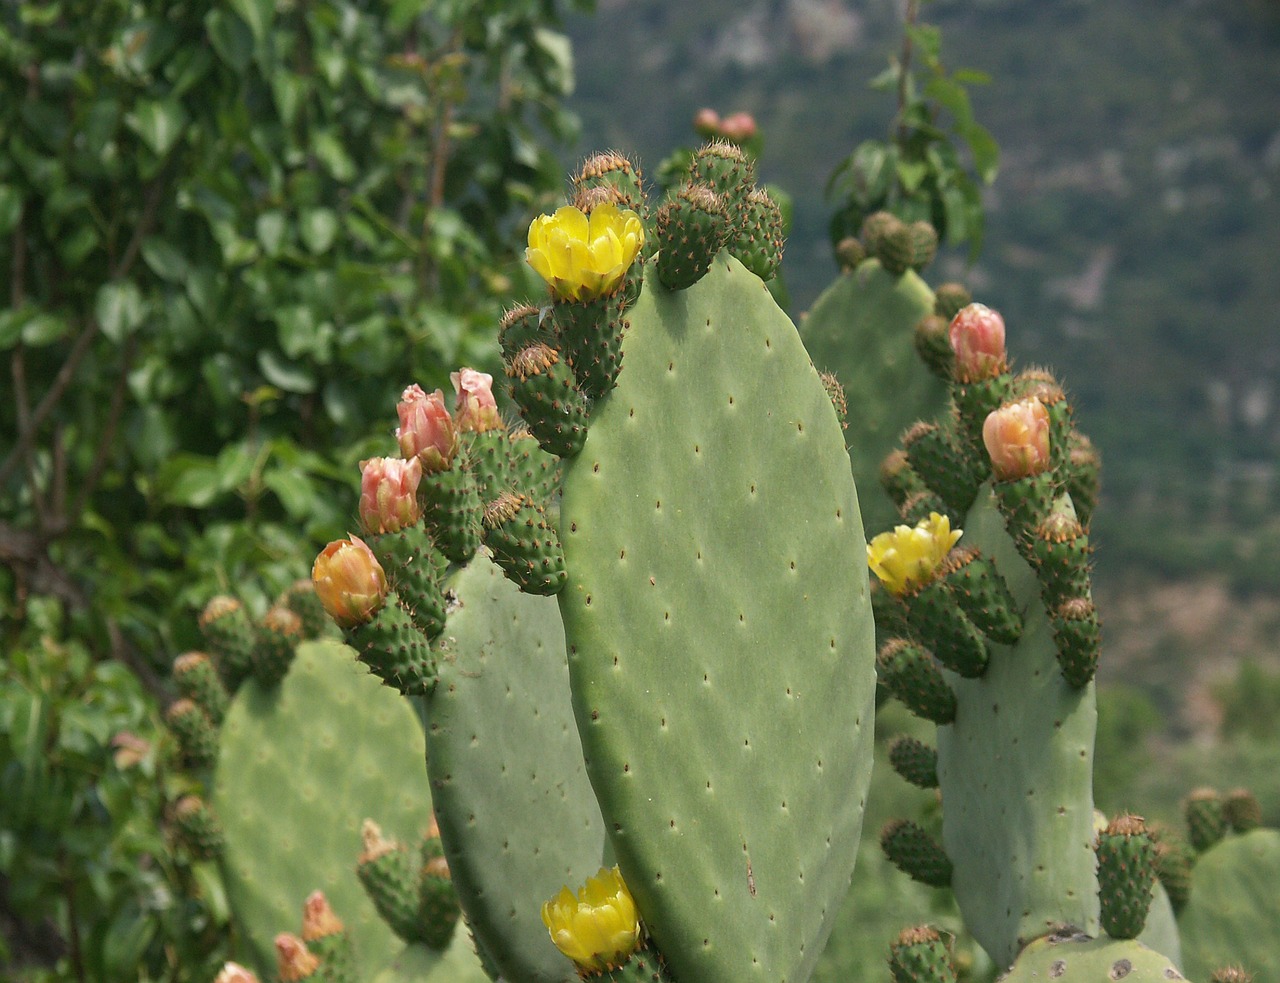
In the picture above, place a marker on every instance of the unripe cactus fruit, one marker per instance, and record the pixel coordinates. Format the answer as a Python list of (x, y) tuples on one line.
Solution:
[(614, 170), (915, 853), (1242, 810), (278, 636), (525, 544), (328, 939), (949, 299), (690, 230), (1206, 818), (913, 677), (197, 680), (915, 761), (198, 828), (933, 345), (196, 734), (438, 910), (389, 874), (1126, 875), (921, 955), (759, 247), (543, 387), (229, 634), (1078, 637)]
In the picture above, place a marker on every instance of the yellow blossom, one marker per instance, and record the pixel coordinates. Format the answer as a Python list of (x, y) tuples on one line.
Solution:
[(584, 257), (598, 929), (907, 557)]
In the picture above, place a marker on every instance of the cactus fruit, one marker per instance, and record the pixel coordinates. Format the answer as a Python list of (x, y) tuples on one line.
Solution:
[(1126, 876), (921, 955), (300, 766)]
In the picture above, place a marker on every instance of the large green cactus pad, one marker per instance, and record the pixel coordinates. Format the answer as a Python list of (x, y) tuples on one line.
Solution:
[(420, 964), (515, 809), (720, 633), (300, 767), (1233, 913), (1085, 960), (1016, 770), (862, 329)]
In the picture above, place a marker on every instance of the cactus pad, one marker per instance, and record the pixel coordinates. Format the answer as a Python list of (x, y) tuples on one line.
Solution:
[(720, 632), (1080, 959), (498, 790), (301, 765)]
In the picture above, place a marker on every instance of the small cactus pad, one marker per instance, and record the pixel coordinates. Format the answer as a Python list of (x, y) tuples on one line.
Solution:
[(301, 765), (720, 632), (921, 955), (1080, 959), (1018, 824), (420, 964), (498, 790), (1233, 912), (862, 329)]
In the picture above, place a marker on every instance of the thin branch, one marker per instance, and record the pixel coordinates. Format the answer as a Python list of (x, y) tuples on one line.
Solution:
[(107, 439), (27, 433), (146, 221), (904, 65)]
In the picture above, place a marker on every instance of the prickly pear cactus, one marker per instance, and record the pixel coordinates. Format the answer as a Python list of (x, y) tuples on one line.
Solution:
[(300, 766), (862, 329), (718, 623), (1077, 958), (516, 811), (1232, 914)]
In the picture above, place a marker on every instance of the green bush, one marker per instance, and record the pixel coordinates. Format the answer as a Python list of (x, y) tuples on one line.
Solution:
[(231, 233)]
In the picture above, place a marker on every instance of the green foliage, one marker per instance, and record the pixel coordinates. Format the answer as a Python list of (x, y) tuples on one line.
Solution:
[(918, 172), (228, 232), (84, 840)]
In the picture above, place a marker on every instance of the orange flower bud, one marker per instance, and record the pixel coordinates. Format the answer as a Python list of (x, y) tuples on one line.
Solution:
[(389, 494), (426, 430), (349, 582), (1017, 439)]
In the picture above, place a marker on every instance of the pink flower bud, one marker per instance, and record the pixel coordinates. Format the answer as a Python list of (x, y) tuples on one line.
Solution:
[(476, 409), (977, 336), (706, 123), (1017, 439), (389, 494), (349, 582), (738, 127), (426, 431)]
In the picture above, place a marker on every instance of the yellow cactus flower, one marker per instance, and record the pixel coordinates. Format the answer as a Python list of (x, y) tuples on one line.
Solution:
[(600, 928), (584, 257), (907, 557)]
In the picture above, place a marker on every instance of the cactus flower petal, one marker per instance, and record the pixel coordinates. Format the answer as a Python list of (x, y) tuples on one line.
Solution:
[(977, 337), (599, 928), (349, 581), (476, 409), (426, 430), (582, 257), (389, 494), (1017, 439), (908, 556)]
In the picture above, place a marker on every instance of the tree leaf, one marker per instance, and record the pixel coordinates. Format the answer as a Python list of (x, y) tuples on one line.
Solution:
[(285, 375), (159, 123), (165, 260), (318, 227), (10, 208), (119, 309), (257, 14)]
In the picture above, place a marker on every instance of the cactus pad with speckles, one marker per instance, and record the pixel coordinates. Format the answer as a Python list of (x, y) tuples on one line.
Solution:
[(514, 806), (301, 766), (720, 631)]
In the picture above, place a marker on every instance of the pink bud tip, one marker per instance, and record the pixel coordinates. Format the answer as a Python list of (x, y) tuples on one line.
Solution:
[(476, 409), (389, 494), (977, 336), (426, 430)]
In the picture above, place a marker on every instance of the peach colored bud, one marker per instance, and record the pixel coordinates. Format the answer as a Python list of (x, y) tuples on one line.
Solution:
[(318, 919), (389, 494), (977, 337), (738, 127), (706, 123), (1017, 439), (294, 961), (349, 582), (235, 973), (426, 430), (128, 749), (476, 409)]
